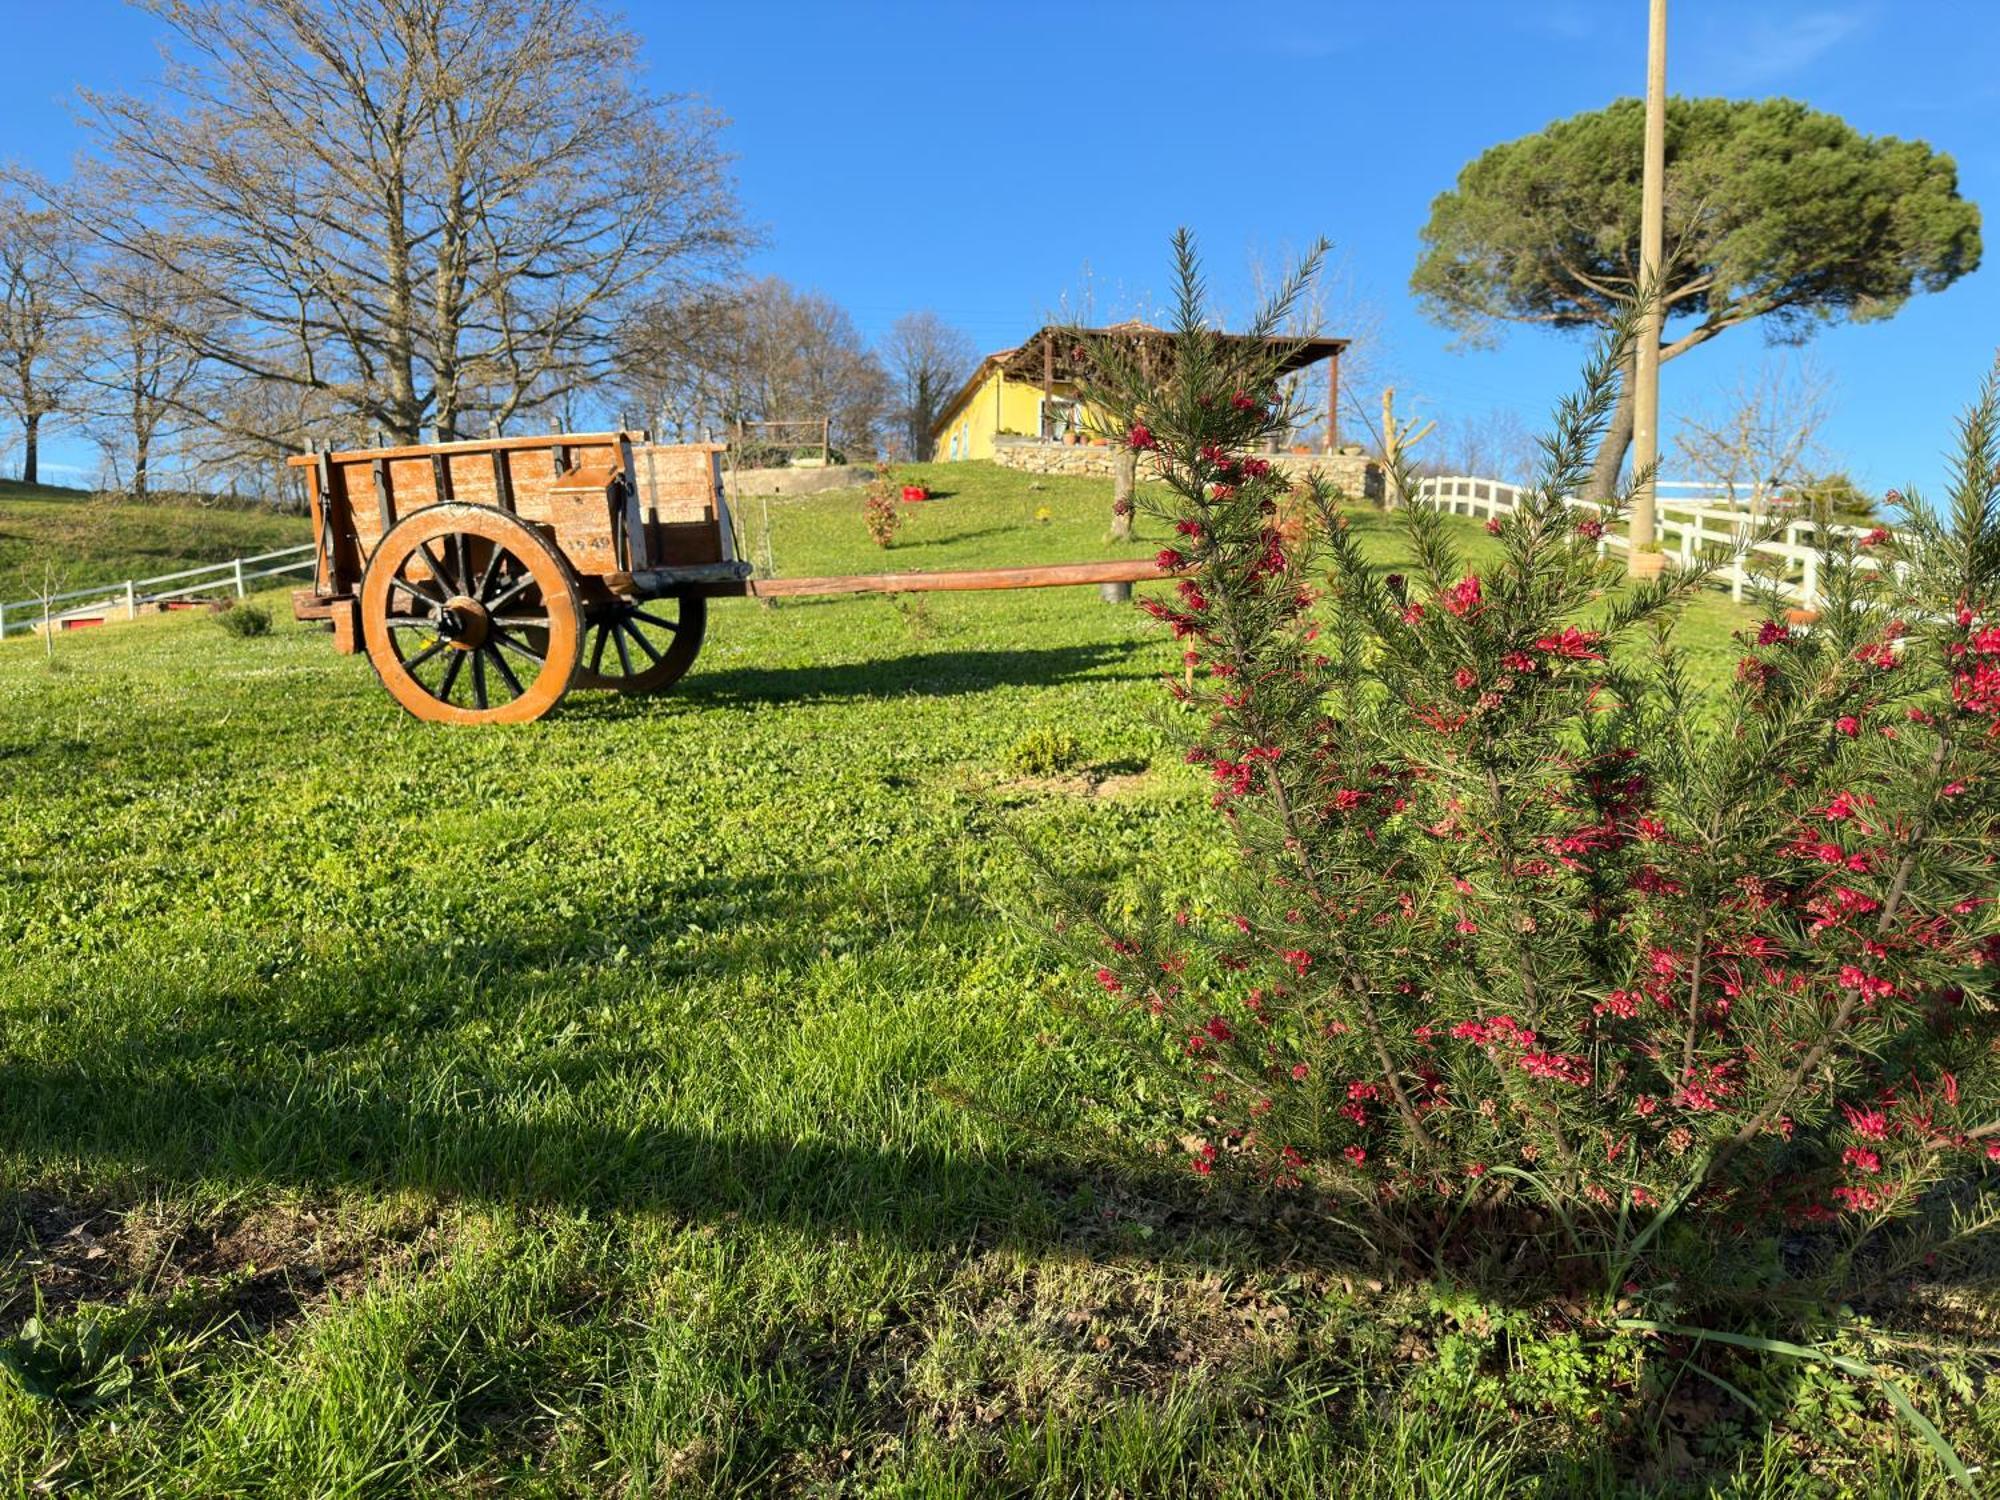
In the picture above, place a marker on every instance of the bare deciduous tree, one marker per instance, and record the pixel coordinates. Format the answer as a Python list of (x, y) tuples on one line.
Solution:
[(772, 353), (1764, 436), (37, 317), (928, 359), (435, 211), (255, 426), (680, 362), (1333, 307), (138, 361), (803, 357), (1495, 444)]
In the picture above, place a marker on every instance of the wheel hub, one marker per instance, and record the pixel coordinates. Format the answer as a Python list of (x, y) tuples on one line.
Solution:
[(464, 623)]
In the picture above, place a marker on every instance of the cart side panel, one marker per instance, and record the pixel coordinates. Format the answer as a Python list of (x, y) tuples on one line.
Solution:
[(680, 489), (582, 510), (511, 478), (564, 483)]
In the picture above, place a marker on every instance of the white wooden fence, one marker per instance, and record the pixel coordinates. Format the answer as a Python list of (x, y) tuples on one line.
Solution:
[(107, 599), (1691, 521)]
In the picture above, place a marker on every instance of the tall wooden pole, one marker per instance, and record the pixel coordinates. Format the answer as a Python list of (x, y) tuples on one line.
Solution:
[(1333, 402), (1652, 217)]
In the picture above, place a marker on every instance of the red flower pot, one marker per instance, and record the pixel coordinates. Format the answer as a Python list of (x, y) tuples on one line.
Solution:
[(912, 493)]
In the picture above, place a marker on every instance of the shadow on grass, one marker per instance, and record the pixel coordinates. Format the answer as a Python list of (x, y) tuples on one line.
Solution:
[(467, 1075), (381, 1073), (911, 544), (928, 674)]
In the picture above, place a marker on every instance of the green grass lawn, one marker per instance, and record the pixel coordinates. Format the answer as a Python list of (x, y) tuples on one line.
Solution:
[(54, 540), (582, 1108)]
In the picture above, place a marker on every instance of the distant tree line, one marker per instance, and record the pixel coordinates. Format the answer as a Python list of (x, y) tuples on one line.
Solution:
[(399, 220)]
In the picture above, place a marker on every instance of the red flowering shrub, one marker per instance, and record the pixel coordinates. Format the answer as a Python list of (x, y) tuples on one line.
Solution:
[(878, 509), (1518, 911)]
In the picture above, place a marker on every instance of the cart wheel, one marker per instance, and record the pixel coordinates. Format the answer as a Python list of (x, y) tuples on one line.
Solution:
[(642, 646), (470, 617)]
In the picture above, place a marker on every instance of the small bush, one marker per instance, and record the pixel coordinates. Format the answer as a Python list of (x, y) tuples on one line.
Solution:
[(1524, 933), (244, 620), (879, 512), (915, 612), (1044, 752)]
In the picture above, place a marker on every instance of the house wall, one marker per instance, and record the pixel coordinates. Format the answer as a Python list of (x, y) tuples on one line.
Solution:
[(996, 405)]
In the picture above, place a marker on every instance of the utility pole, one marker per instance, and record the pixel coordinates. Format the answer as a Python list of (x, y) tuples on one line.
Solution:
[(1646, 357)]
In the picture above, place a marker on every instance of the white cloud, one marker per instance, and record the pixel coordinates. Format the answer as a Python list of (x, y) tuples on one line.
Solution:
[(1766, 50)]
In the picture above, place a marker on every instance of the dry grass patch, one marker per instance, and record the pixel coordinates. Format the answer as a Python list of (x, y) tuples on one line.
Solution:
[(260, 1268)]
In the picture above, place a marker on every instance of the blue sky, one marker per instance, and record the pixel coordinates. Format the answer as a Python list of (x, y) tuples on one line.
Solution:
[(990, 161)]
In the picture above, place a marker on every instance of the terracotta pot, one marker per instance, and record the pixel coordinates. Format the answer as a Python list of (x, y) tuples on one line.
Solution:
[(1071, 439), (1304, 450), (1646, 565), (1802, 617)]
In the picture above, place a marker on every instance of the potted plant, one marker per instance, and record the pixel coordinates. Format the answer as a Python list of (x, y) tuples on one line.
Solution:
[(1646, 561)]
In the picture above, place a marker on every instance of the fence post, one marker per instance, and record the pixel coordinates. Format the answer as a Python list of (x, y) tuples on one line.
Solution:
[(1809, 583), (131, 600), (239, 577)]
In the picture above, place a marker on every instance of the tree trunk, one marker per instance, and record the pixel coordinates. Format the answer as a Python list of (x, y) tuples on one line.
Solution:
[(1611, 452), (1124, 480), (31, 433), (404, 415)]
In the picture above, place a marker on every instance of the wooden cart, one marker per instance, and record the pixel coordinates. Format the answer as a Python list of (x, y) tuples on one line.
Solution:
[(485, 579)]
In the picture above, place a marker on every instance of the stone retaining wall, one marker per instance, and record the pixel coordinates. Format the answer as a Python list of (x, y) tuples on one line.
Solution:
[(1356, 475), (790, 481)]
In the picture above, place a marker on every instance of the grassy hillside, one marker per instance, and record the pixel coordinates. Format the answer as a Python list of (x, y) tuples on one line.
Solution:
[(582, 1109), (57, 539)]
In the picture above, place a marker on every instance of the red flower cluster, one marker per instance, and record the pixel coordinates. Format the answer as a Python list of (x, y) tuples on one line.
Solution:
[(1571, 644), (1462, 597)]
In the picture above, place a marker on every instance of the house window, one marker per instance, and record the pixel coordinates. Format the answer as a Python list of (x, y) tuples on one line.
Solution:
[(1059, 418)]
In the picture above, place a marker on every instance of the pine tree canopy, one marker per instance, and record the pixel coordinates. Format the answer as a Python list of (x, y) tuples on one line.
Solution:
[(1773, 211)]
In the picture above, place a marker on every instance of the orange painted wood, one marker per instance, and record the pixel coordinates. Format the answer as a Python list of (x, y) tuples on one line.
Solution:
[(308, 604), (1056, 575), (578, 443), (348, 639), (674, 520)]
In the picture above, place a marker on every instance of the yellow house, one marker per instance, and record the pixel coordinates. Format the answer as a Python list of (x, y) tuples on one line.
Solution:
[(1029, 392)]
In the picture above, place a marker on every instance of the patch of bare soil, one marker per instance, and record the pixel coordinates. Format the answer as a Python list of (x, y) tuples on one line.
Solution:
[(260, 1267), (1086, 785), (1010, 1339)]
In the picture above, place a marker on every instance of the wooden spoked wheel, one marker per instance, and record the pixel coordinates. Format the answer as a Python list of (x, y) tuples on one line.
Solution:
[(470, 617), (641, 646)]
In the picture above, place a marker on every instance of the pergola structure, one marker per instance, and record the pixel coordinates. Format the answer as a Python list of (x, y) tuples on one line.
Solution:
[(1059, 353)]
